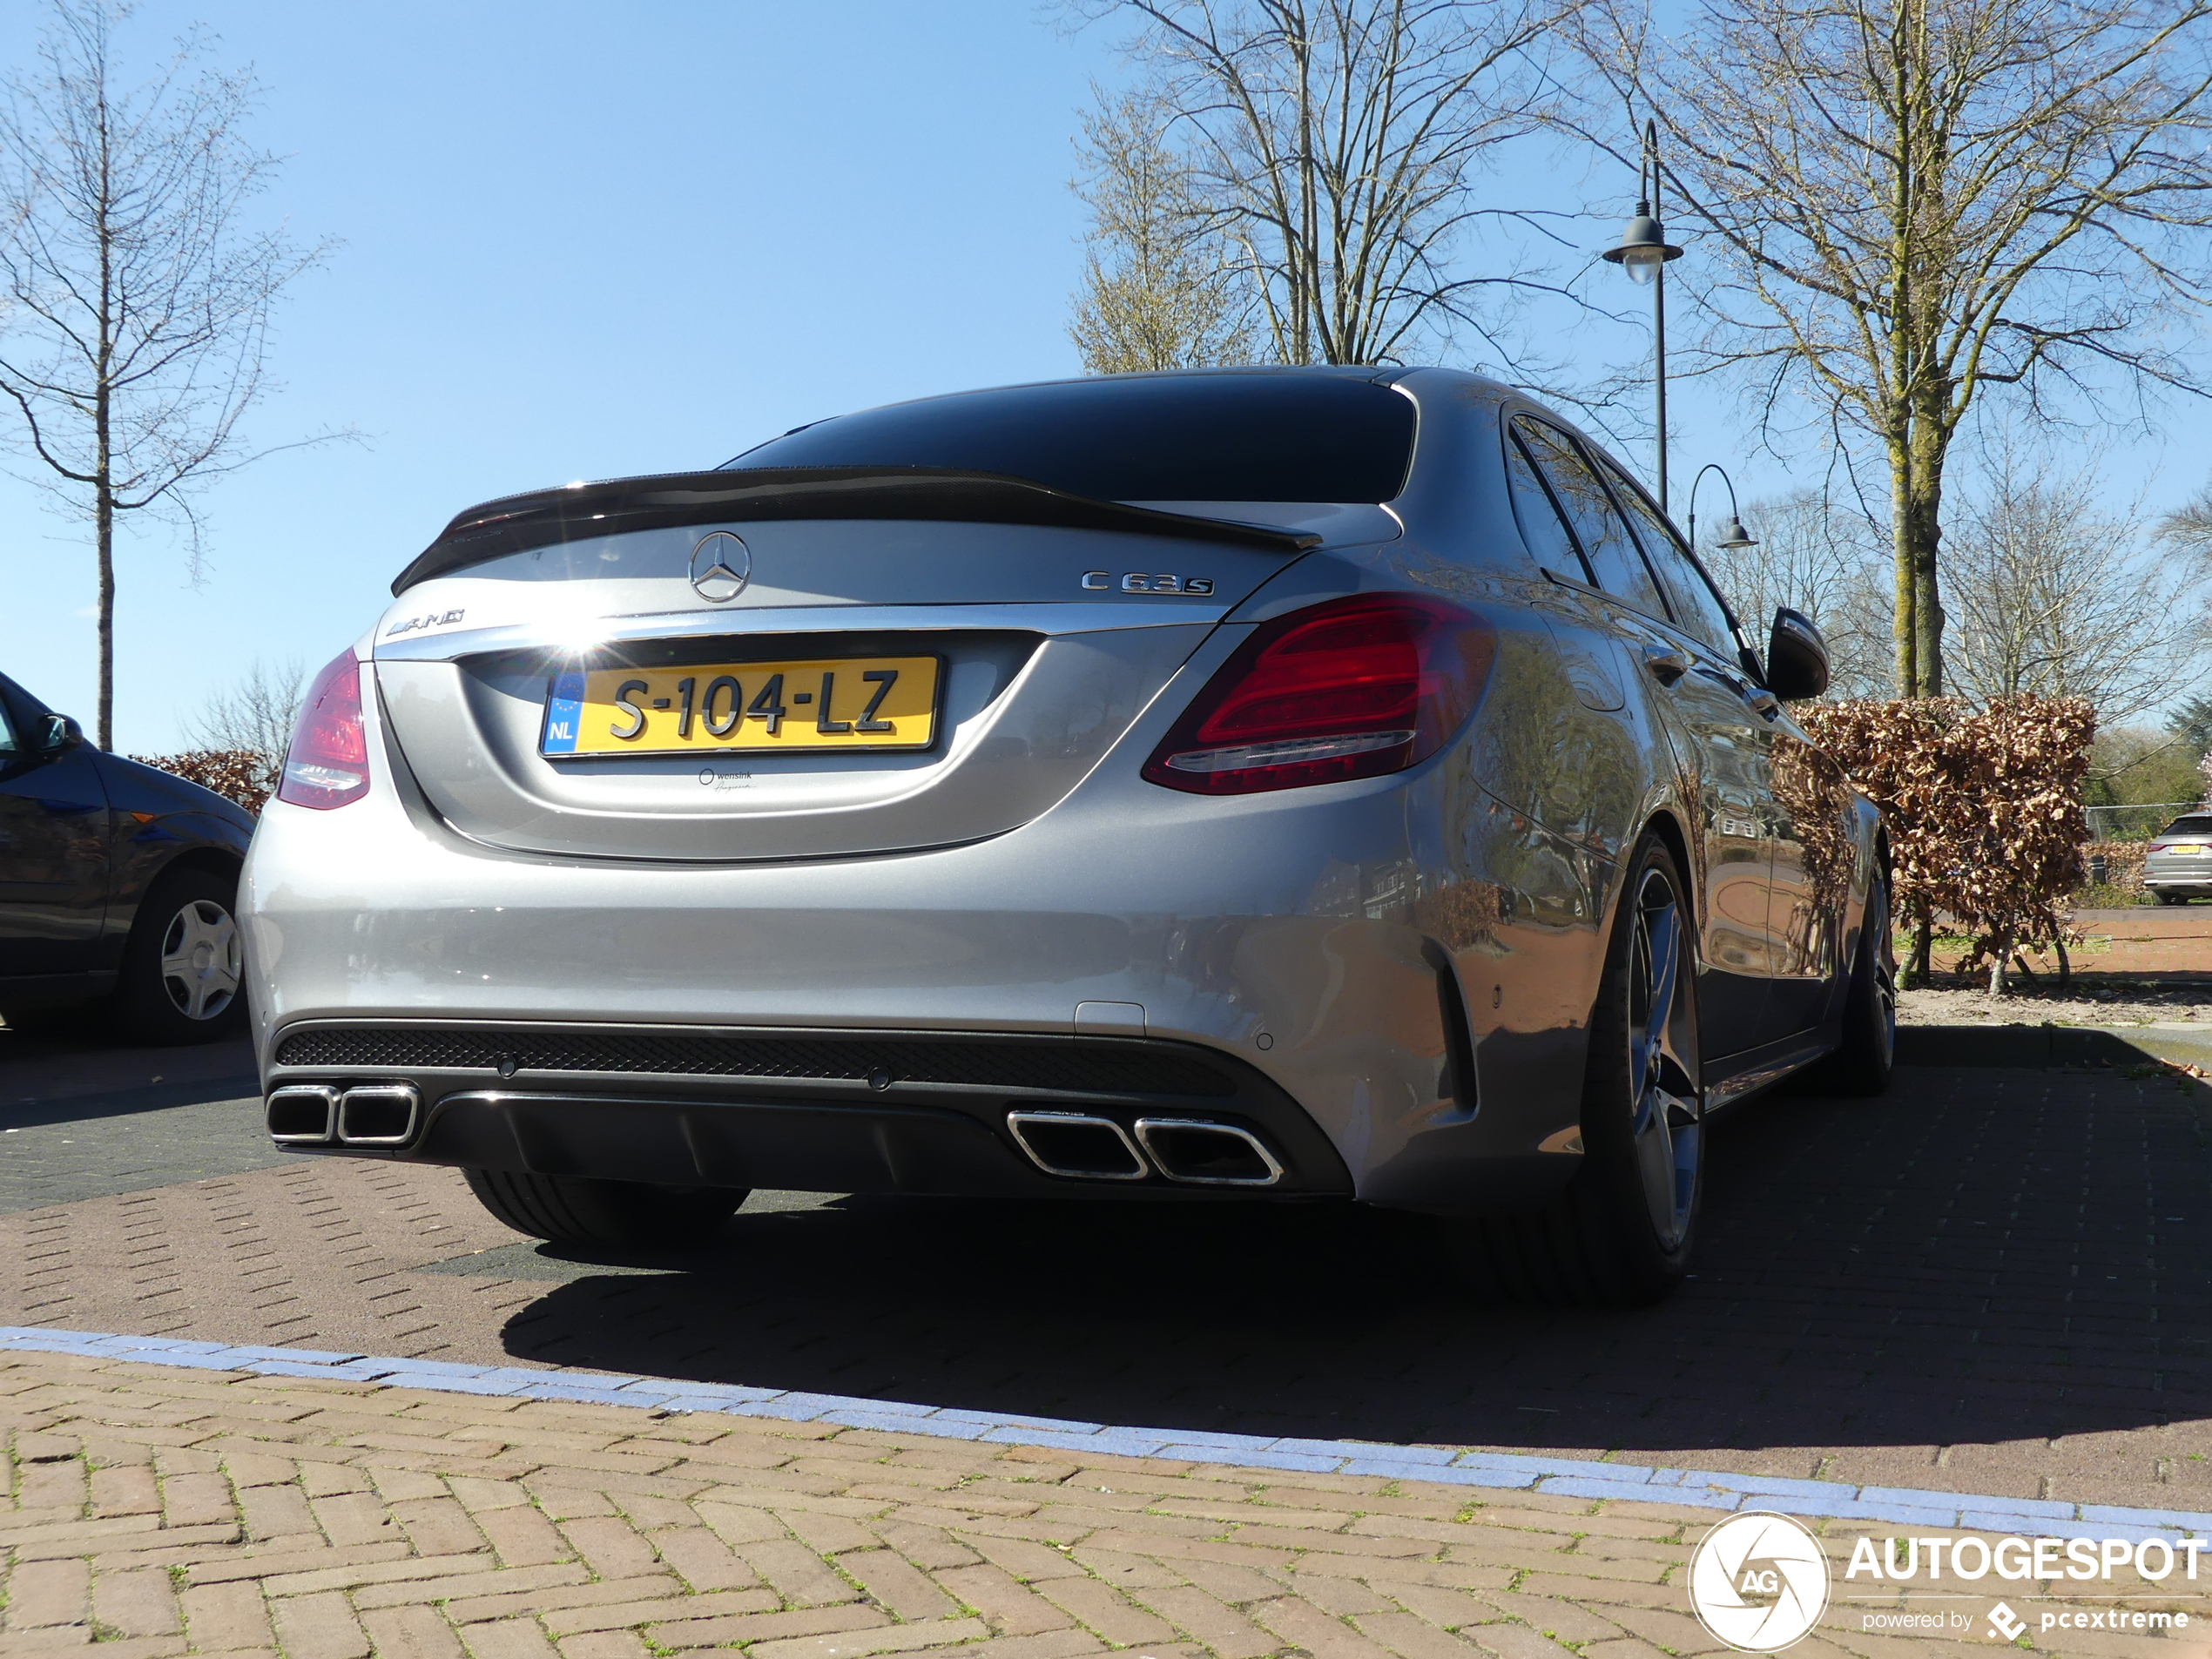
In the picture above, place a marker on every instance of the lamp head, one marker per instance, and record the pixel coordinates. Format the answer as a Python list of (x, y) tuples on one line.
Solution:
[(1733, 536), (1643, 248)]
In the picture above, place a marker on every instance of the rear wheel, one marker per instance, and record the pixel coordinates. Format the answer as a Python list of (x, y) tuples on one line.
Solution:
[(1621, 1235), (572, 1209), (183, 964), (2173, 898)]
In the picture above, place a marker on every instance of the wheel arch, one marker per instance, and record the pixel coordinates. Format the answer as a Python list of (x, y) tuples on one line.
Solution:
[(1875, 858), (216, 860), (1664, 823)]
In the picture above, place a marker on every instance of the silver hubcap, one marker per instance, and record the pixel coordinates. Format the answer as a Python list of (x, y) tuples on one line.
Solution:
[(200, 959), (1668, 1136)]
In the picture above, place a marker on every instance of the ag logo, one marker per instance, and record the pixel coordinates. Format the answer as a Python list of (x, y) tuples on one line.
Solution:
[(1759, 1582)]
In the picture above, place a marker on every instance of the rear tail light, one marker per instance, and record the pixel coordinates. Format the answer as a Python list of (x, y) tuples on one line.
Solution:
[(1352, 688), (327, 764)]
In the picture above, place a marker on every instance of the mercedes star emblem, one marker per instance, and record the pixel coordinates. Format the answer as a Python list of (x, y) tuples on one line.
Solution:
[(721, 565)]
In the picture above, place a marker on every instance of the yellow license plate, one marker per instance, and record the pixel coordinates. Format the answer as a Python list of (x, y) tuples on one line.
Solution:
[(837, 702)]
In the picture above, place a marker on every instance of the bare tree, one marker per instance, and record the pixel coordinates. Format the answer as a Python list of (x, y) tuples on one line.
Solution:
[(2057, 597), (253, 716), (1917, 199), (1162, 289), (2188, 528), (1336, 141), (1825, 560), (137, 294)]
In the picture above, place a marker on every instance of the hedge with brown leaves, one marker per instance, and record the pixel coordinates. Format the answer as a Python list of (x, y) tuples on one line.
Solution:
[(2123, 863), (235, 774), (1984, 809)]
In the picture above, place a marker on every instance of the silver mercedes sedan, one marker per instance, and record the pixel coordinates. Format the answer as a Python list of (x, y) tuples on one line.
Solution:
[(1271, 785)]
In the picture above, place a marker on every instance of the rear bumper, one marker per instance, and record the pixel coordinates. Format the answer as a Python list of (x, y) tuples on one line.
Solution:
[(883, 1112), (2197, 881), (1308, 947)]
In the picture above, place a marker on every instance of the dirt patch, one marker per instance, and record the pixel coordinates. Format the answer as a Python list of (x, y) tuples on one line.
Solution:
[(2089, 1002)]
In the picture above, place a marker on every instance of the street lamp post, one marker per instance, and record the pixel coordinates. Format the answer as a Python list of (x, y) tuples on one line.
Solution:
[(1733, 535), (1643, 253)]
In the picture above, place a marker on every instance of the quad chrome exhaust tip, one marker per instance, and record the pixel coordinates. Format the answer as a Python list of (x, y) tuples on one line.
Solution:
[(377, 1115), (303, 1114), (1076, 1144), (1200, 1154), (1189, 1150), (365, 1115)]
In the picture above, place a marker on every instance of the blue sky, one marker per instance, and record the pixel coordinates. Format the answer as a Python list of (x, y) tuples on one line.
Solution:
[(580, 241)]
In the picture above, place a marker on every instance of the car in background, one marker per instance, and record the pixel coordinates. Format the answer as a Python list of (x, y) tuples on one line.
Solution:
[(1281, 784), (117, 884), (2177, 864)]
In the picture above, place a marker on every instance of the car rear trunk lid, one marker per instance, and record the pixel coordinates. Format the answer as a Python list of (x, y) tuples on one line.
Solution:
[(1049, 639)]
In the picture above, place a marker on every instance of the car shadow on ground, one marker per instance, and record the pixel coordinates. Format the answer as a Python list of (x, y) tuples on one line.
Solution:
[(65, 1066), (1982, 1257)]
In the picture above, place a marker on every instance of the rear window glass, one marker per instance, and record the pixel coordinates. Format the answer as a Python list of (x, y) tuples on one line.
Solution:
[(1598, 524), (1542, 530), (2190, 827), (1697, 608), (1228, 437)]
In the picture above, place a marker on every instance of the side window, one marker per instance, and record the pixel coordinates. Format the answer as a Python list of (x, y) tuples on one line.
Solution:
[(1696, 605), (1608, 548), (1545, 534), (8, 744)]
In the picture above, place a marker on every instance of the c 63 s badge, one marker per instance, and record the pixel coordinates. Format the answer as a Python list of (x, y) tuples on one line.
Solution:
[(1145, 582)]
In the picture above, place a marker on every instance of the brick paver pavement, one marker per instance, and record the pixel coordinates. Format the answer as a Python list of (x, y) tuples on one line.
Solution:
[(154, 1512), (1990, 1281)]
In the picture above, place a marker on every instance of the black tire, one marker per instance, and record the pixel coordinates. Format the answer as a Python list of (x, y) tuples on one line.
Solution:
[(181, 978), (573, 1210), (1862, 1063), (2173, 898), (1601, 1243)]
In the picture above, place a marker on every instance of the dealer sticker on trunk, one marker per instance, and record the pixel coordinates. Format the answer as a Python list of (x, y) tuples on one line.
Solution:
[(749, 708)]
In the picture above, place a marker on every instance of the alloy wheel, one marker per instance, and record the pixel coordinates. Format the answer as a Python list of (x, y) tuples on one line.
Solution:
[(1668, 1132), (200, 960)]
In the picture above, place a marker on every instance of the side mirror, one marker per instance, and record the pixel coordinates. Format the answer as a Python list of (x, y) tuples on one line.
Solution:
[(58, 734), (1796, 657)]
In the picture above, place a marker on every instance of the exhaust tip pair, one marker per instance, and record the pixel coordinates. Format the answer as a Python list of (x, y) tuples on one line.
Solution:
[(1189, 1150), (365, 1115)]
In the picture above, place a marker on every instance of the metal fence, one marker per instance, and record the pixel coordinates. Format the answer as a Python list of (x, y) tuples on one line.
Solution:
[(2136, 823)]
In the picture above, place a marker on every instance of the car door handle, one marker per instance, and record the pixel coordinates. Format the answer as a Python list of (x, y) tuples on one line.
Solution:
[(1666, 664), (1764, 702)]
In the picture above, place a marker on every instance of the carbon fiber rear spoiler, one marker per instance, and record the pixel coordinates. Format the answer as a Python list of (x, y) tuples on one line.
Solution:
[(579, 512)]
